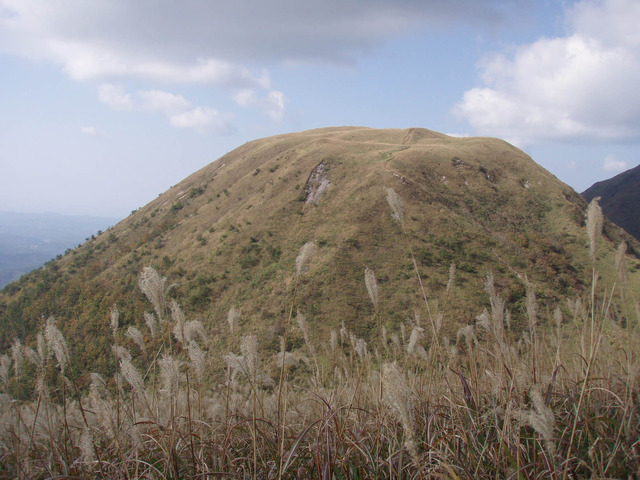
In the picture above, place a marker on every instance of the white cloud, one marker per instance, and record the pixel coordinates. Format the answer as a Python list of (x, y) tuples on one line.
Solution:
[(202, 120), (115, 97), (91, 131), (217, 42), (272, 104), (612, 164), (163, 102), (245, 97), (180, 112), (99, 37), (581, 86)]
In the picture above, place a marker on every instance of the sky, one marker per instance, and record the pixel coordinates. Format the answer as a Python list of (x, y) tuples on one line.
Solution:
[(105, 104)]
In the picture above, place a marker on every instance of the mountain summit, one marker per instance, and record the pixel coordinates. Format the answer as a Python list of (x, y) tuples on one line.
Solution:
[(228, 236)]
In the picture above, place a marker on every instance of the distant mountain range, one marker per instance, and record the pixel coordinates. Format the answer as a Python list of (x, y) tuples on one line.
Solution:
[(620, 199), (29, 240)]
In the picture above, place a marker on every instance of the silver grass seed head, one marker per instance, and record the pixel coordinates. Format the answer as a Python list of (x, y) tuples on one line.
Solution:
[(17, 355), (249, 350), (41, 347), (306, 360), (33, 357), (353, 340), (41, 386), (361, 349), (438, 322), (5, 367), (86, 446), (198, 359), (169, 374), (466, 332), (421, 352), (488, 285), (121, 353), (265, 381), (452, 276), (372, 285), (416, 334), (557, 317), (56, 343), (152, 324), (541, 419), (395, 202), (97, 386), (334, 341), (131, 375), (193, 330), (232, 318), (307, 251), (532, 305), (289, 359), (179, 321), (154, 287), (136, 335), (302, 324), (235, 364), (397, 395), (344, 334), (595, 220), (114, 319)]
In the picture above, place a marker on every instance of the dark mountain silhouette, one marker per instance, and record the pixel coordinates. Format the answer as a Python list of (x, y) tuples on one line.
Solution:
[(620, 199)]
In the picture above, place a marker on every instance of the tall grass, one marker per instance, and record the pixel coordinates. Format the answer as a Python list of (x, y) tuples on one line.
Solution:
[(557, 400)]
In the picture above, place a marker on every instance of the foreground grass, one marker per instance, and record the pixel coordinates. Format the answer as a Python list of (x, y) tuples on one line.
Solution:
[(557, 399)]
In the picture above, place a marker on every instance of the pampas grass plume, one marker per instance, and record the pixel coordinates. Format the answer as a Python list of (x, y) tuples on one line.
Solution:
[(136, 335), (395, 202), (232, 318), (56, 343), (372, 285), (594, 226), (114, 319), (307, 251)]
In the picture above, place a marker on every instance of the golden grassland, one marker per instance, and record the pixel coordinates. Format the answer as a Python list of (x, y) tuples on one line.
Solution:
[(228, 235), (556, 398)]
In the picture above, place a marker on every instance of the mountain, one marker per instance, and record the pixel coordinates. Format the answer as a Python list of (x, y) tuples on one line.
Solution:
[(28, 240), (620, 199), (229, 234)]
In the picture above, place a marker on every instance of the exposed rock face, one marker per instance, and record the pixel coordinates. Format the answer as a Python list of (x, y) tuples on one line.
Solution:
[(317, 183)]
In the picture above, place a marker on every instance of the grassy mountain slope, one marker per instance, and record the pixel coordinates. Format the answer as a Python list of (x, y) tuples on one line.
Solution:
[(228, 235), (620, 199)]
